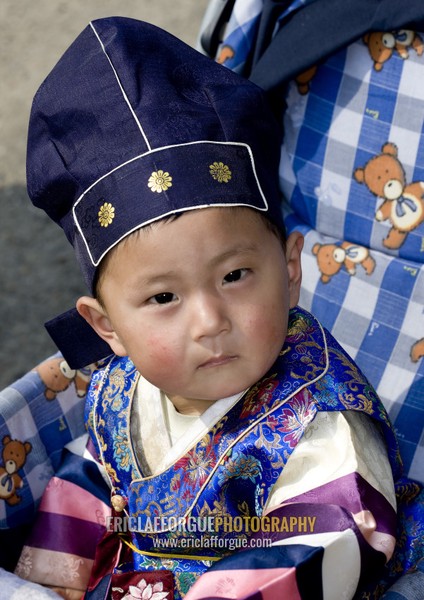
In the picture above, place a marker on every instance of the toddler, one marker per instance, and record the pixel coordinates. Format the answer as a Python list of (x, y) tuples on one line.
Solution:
[(244, 449)]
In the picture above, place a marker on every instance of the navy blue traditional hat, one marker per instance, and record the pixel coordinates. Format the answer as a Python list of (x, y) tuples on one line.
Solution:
[(133, 125)]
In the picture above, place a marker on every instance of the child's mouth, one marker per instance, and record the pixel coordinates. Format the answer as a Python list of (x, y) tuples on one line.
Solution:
[(217, 361)]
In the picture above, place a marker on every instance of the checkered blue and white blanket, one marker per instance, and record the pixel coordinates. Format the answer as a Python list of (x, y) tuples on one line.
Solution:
[(363, 102)]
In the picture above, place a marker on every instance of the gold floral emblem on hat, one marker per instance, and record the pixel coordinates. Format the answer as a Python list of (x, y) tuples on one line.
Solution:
[(220, 172), (106, 214), (160, 181)]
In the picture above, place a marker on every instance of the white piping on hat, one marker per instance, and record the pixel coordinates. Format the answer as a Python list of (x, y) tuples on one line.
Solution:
[(138, 226), (121, 87)]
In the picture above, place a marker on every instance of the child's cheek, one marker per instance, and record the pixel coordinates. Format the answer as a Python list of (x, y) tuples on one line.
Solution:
[(267, 330), (162, 355), (265, 325)]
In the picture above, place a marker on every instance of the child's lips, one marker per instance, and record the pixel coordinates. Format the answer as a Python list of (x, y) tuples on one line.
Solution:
[(218, 361)]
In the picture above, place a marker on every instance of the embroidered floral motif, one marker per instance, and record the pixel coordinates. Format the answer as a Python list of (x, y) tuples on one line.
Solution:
[(185, 581), (146, 591), (160, 181), (188, 493), (264, 390), (225, 585), (300, 328), (111, 472), (217, 509), (24, 566), (113, 392), (121, 450), (271, 441), (329, 391), (106, 214), (296, 417), (176, 482), (67, 567), (195, 465), (359, 402), (220, 172), (242, 467)]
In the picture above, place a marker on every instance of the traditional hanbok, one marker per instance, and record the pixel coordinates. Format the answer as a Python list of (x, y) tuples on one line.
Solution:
[(295, 478), (285, 491)]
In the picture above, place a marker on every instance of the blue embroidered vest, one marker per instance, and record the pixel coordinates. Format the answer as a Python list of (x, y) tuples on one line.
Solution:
[(232, 470)]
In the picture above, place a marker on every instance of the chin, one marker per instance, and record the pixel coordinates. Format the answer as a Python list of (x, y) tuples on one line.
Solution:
[(230, 391)]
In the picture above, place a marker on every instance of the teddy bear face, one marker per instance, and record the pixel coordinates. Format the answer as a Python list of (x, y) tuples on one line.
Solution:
[(403, 204), (380, 45), (384, 176), (14, 454), (57, 376), (14, 457), (66, 370), (53, 376), (405, 37), (330, 260)]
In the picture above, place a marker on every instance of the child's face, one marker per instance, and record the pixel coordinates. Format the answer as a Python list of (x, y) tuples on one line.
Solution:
[(200, 304)]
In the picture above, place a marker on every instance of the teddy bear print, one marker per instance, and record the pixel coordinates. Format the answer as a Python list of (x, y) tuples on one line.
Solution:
[(14, 457), (332, 257), (226, 53), (303, 80), (382, 45), (417, 350), (57, 376), (404, 39), (403, 204)]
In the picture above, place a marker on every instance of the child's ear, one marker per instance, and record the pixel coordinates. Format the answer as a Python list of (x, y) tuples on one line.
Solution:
[(94, 313), (294, 246)]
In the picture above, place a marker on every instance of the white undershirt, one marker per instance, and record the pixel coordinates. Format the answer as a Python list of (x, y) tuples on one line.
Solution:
[(335, 444), (178, 424), (160, 434)]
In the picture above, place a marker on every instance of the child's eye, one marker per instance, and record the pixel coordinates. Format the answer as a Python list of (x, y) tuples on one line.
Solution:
[(235, 275), (163, 298)]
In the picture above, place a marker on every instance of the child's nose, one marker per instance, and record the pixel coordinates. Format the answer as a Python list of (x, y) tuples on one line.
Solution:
[(210, 317)]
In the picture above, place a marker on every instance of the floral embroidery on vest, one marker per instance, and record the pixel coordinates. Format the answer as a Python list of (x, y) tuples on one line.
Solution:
[(232, 470)]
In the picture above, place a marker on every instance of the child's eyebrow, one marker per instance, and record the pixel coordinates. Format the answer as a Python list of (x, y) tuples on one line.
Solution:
[(159, 278), (172, 274), (231, 252)]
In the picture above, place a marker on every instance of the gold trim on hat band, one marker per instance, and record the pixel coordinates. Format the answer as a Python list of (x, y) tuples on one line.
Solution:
[(162, 182)]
